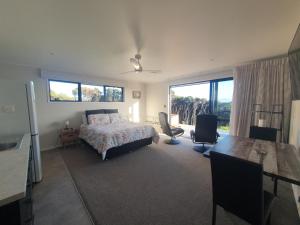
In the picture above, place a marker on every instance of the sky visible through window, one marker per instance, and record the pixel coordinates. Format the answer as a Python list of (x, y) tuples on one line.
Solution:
[(225, 91), (195, 90), (201, 90)]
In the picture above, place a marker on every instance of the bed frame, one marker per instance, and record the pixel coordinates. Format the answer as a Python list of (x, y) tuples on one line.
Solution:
[(123, 148), (126, 148)]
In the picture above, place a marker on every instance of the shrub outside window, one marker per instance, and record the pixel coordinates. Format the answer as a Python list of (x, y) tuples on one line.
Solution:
[(113, 94), (92, 93)]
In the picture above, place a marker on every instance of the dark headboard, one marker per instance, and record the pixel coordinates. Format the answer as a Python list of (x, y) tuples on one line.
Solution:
[(99, 111)]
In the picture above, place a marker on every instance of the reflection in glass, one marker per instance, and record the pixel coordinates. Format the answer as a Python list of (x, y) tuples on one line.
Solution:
[(92, 93), (114, 94)]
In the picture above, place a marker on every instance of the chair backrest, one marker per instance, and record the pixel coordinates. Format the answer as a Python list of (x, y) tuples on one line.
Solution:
[(206, 128), (163, 120), (263, 133), (238, 186)]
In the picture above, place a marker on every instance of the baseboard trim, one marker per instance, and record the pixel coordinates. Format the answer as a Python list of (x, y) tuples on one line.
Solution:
[(50, 148), (296, 190)]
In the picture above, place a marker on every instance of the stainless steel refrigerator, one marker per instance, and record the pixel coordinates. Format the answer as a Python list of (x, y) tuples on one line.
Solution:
[(35, 139), (18, 116)]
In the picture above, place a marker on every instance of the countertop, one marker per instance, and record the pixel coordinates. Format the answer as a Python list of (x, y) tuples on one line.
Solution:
[(13, 172)]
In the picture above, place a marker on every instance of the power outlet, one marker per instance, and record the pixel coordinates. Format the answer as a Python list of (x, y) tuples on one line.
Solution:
[(8, 108)]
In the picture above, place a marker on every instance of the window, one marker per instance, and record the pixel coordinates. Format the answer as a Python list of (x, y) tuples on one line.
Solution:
[(63, 91), (113, 94), (91, 93), (188, 100), (222, 91)]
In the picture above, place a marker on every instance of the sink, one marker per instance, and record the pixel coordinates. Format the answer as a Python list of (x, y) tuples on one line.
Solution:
[(10, 143), (8, 146)]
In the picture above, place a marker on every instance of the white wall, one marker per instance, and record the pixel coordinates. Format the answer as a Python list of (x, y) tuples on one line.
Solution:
[(295, 140), (52, 115), (157, 94)]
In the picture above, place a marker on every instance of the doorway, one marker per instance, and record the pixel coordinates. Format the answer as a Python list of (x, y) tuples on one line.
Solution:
[(188, 100)]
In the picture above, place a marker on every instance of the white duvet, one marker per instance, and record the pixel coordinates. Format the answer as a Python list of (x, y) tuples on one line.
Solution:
[(104, 137)]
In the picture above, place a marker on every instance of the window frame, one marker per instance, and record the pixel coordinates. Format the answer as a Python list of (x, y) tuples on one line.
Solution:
[(68, 82), (80, 92), (96, 85), (110, 86)]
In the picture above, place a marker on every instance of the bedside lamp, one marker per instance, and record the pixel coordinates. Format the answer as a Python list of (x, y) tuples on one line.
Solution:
[(67, 124)]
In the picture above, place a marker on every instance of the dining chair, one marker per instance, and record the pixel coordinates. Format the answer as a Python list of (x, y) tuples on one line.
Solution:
[(238, 188), (263, 133), (266, 134), (172, 132), (205, 131)]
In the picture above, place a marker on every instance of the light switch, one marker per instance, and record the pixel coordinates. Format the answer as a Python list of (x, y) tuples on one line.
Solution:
[(8, 108)]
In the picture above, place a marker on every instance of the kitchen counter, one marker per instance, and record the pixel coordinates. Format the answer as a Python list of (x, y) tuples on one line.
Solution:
[(13, 172)]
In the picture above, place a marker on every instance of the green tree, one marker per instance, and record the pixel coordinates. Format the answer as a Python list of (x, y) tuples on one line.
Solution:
[(91, 94), (75, 93), (54, 96), (109, 94)]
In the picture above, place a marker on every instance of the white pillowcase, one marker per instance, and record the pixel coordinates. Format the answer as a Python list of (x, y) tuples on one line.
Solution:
[(124, 118), (99, 119), (114, 117), (117, 117)]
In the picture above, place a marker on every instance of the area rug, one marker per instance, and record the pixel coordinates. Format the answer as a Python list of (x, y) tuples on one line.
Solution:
[(157, 185)]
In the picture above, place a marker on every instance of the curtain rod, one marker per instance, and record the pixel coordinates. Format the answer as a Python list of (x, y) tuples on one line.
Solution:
[(262, 59)]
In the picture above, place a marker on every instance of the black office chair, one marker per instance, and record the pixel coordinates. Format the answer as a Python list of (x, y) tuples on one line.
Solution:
[(171, 132), (238, 188), (263, 133), (266, 134), (205, 131)]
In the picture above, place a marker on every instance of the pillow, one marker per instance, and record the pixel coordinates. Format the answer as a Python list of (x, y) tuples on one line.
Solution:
[(99, 119), (124, 118), (84, 120), (114, 117)]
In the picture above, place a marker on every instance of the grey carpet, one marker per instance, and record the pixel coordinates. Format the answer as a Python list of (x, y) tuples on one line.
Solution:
[(55, 199), (157, 185)]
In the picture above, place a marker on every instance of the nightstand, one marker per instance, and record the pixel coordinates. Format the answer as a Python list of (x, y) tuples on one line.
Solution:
[(68, 136)]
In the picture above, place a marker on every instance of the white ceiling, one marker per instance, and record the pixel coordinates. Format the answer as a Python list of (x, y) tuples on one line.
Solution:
[(97, 37)]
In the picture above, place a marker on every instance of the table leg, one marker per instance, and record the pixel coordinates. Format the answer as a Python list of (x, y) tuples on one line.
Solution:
[(275, 186)]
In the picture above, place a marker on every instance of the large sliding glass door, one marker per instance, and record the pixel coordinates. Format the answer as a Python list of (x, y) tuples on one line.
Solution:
[(222, 91), (189, 100)]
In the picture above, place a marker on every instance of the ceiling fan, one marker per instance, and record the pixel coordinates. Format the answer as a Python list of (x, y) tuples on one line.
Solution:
[(137, 67)]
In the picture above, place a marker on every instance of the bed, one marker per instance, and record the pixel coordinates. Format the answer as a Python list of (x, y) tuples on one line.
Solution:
[(109, 133)]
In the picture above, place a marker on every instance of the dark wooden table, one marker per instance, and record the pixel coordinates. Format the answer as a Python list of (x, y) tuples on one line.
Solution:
[(280, 161)]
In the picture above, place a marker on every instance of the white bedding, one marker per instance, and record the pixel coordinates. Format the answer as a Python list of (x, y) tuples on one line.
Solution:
[(104, 137)]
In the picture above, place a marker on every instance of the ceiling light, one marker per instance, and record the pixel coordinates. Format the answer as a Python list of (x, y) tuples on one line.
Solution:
[(135, 63)]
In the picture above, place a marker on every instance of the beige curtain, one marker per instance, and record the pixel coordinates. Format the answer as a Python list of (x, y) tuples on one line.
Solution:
[(265, 82)]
